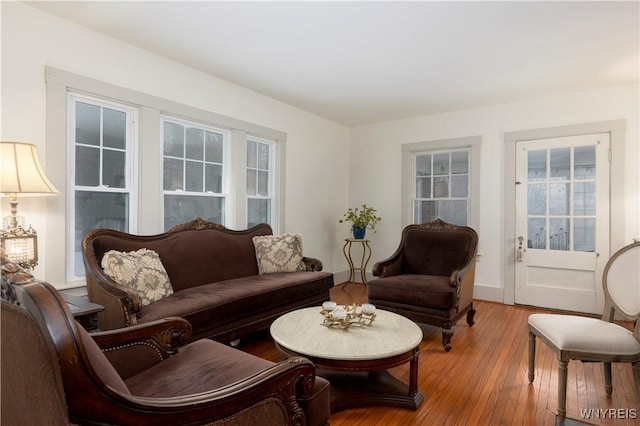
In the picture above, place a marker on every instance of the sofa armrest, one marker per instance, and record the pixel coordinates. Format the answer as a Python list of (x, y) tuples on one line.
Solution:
[(136, 348), (312, 264)]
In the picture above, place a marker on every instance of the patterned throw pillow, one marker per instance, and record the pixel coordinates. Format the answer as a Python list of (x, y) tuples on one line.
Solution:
[(279, 253), (141, 270)]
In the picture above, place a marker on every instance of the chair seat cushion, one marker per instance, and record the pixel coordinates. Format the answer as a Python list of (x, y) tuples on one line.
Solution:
[(422, 290), (583, 334), (198, 367)]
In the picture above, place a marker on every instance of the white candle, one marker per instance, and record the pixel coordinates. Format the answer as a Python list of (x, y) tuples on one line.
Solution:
[(329, 306), (368, 309)]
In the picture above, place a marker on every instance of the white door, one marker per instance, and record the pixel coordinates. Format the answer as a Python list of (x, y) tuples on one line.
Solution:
[(562, 222)]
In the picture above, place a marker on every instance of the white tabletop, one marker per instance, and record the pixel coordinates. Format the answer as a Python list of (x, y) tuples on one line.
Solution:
[(302, 331)]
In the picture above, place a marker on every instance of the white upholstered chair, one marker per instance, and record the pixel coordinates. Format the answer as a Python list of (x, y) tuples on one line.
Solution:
[(592, 339)]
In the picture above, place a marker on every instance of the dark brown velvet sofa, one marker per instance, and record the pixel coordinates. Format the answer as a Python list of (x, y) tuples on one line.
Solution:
[(56, 373), (215, 278)]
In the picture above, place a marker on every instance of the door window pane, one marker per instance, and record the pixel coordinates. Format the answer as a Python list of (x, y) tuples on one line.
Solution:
[(537, 165), (585, 162), (537, 199), (537, 237), (560, 164), (559, 234), (559, 197), (584, 234), (584, 199)]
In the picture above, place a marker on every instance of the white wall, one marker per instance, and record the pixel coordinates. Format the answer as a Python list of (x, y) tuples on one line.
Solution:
[(316, 149), (375, 164)]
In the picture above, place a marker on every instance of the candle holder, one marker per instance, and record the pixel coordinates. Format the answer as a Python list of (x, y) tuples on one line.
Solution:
[(344, 317)]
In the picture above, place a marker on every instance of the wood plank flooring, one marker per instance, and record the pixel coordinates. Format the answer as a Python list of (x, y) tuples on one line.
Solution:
[(483, 379)]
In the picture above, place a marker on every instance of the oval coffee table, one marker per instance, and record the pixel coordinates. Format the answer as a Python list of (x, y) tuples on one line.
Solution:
[(355, 360)]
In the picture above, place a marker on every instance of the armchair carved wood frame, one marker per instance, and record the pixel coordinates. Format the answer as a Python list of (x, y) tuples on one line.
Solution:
[(430, 277), (54, 372)]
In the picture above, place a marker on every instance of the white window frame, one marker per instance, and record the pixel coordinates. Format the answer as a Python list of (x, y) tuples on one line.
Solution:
[(272, 188), (409, 153), (227, 165), (148, 202), (131, 159)]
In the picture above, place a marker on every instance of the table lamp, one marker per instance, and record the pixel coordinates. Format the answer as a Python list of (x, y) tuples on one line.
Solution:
[(21, 174)]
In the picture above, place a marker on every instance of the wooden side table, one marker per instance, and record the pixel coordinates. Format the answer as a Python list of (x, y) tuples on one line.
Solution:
[(85, 312), (366, 255)]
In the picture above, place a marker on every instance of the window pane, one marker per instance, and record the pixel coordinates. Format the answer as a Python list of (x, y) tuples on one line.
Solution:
[(115, 128), (87, 124), (173, 172), (252, 154), (560, 164), (113, 173), (441, 164), (195, 144), (423, 165), (183, 208), (258, 211), (441, 187), (537, 199), (584, 235), (584, 199), (459, 162), (214, 147), (423, 187), (536, 234), (585, 162), (213, 178), (537, 165), (263, 183), (263, 156), (95, 210), (173, 139), (452, 211), (87, 166), (559, 234), (559, 198), (193, 175), (460, 186), (252, 182)]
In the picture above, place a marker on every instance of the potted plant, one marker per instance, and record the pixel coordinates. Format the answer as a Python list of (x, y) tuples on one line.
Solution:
[(362, 217)]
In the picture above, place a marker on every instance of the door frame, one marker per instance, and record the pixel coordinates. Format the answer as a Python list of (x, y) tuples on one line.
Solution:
[(616, 129)]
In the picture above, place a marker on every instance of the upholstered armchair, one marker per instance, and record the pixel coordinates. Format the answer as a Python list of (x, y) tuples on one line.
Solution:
[(430, 277), (55, 373)]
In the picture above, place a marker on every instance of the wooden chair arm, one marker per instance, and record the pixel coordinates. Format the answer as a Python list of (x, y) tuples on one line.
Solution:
[(283, 382)]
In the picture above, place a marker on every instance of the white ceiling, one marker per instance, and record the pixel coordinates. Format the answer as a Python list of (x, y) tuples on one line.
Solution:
[(362, 62)]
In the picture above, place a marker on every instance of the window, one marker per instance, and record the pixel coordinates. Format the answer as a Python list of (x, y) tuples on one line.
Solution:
[(102, 183), (194, 172), (260, 158), (134, 166), (441, 181), (441, 187)]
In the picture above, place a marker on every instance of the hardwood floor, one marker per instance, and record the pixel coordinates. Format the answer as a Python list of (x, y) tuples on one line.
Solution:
[(483, 379)]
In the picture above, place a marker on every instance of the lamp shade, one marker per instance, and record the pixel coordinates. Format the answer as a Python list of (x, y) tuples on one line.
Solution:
[(20, 171)]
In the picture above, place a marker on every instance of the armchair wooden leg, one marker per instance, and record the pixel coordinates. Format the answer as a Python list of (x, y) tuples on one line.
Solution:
[(636, 376), (532, 356), (563, 363), (447, 333), (608, 386), (470, 314)]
